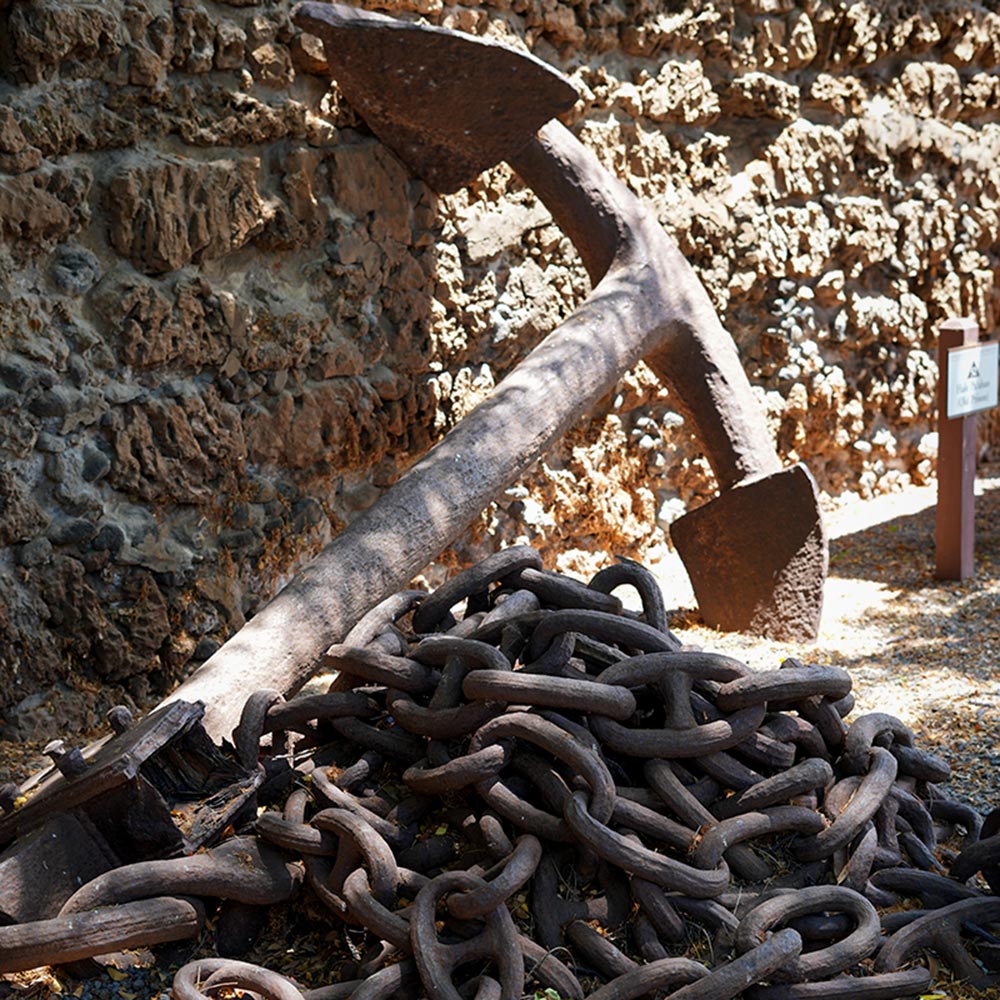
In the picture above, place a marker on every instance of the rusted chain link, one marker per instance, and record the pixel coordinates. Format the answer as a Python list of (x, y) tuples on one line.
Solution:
[(438, 961), (941, 930), (514, 872), (578, 763), (881, 986), (473, 582), (241, 869), (97, 932), (822, 963), (210, 978)]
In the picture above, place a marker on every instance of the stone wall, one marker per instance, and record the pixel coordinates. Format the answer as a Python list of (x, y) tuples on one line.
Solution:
[(229, 317)]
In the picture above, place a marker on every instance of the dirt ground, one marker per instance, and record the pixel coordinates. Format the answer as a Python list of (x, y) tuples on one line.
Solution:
[(922, 649)]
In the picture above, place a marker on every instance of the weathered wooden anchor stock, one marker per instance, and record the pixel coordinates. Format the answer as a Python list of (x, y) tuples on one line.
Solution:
[(450, 106), (158, 788)]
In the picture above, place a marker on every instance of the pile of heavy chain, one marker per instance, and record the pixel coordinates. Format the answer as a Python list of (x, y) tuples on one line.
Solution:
[(551, 746)]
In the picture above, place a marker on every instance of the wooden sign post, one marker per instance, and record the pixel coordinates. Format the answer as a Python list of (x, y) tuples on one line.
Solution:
[(967, 383)]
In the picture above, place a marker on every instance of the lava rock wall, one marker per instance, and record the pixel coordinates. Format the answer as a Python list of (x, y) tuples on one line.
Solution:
[(229, 317)]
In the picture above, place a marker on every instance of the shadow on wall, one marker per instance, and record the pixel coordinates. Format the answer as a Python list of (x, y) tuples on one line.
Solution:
[(937, 662)]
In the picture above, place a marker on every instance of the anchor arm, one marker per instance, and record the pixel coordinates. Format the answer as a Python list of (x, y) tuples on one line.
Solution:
[(619, 240)]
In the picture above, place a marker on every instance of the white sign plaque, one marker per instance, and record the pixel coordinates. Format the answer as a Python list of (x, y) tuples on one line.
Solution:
[(973, 374)]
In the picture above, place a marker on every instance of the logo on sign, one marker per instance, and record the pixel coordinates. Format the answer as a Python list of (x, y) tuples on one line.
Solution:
[(973, 375)]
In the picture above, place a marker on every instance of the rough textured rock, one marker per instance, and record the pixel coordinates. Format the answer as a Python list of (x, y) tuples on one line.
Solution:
[(42, 206), (21, 518), (164, 213), (229, 318)]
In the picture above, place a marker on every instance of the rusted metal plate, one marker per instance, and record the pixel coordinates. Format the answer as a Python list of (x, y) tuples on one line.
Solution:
[(449, 105), (757, 556)]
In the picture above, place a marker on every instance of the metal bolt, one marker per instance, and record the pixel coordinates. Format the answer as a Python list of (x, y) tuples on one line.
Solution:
[(121, 719), (8, 796), (70, 762)]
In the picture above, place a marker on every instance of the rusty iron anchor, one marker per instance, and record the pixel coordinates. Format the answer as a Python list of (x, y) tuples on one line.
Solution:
[(451, 105)]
